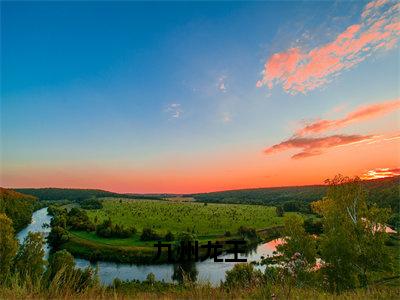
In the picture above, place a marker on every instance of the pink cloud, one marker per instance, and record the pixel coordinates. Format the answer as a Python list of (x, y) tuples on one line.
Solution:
[(301, 71), (311, 146), (360, 114), (380, 173)]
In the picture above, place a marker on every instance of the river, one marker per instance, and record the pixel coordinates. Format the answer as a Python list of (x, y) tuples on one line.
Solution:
[(205, 271)]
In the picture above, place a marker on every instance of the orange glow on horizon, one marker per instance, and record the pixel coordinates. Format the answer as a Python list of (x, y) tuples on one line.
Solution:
[(380, 173)]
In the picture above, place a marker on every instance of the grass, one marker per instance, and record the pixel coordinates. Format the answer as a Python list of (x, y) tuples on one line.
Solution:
[(177, 216), (131, 241), (209, 222), (195, 291)]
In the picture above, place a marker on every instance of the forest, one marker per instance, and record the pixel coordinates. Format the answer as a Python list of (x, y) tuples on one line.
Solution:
[(17, 206), (76, 195)]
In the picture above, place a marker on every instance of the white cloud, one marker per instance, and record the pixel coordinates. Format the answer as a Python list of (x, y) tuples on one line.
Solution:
[(174, 110), (221, 84)]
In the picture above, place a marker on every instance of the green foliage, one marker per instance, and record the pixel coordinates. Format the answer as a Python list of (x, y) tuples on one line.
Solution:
[(169, 236), (149, 234), (185, 273), (279, 211), (8, 246), (247, 232), (394, 221), (300, 206), (313, 226), (353, 243), (108, 230), (29, 262), (78, 220), (57, 236), (297, 240), (243, 276), (60, 261), (62, 274), (91, 203), (18, 207)]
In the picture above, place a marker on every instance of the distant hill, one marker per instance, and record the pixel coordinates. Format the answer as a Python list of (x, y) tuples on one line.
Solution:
[(55, 194), (385, 192), (18, 207)]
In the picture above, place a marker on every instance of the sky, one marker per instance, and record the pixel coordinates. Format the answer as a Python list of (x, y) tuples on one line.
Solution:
[(185, 97)]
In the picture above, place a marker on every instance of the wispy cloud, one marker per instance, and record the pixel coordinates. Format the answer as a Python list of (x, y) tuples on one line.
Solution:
[(380, 173), (360, 114), (174, 110), (298, 70), (221, 84), (226, 117), (312, 146)]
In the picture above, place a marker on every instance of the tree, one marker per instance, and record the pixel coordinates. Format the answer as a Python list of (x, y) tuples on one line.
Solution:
[(313, 226), (243, 276), (297, 240), (18, 207), (149, 234), (279, 211), (353, 240), (8, 246), (57, 237), (60, 261), (169, 236), (29, 262)]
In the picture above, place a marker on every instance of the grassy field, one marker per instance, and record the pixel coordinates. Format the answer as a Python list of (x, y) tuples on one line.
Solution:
[(209, 219)]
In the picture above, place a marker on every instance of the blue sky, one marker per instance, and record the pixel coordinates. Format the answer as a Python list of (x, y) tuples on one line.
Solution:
[(156, 88)]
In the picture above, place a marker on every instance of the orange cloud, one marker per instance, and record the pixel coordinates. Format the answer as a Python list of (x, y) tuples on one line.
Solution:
[(380, 173), (360, 114), (316, 145), (301, 71)]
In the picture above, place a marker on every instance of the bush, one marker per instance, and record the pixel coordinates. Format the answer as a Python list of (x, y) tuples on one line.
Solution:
[(57, 237), (247, 232), (79, 220), (279, 211), (313, 226), (169, 236), (108, 230), (149, 234), (92, 203), (243, 276)]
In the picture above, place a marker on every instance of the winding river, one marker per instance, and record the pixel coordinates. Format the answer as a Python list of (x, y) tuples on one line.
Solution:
[(205, 271)]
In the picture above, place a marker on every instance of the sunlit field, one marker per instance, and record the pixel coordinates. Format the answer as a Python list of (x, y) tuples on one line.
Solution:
[(199, 218)]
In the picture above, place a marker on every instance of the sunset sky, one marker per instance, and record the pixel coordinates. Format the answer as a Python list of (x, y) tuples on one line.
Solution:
[(189, 97)]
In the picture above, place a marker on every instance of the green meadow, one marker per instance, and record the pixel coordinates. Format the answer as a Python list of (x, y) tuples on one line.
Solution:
[(199, 218)]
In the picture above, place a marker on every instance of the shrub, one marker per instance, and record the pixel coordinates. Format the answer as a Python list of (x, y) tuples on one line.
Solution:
[(108, 230), (92, 203), (169, 236), (247, 232), (243, 276), (57, 237), (149, 234)]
